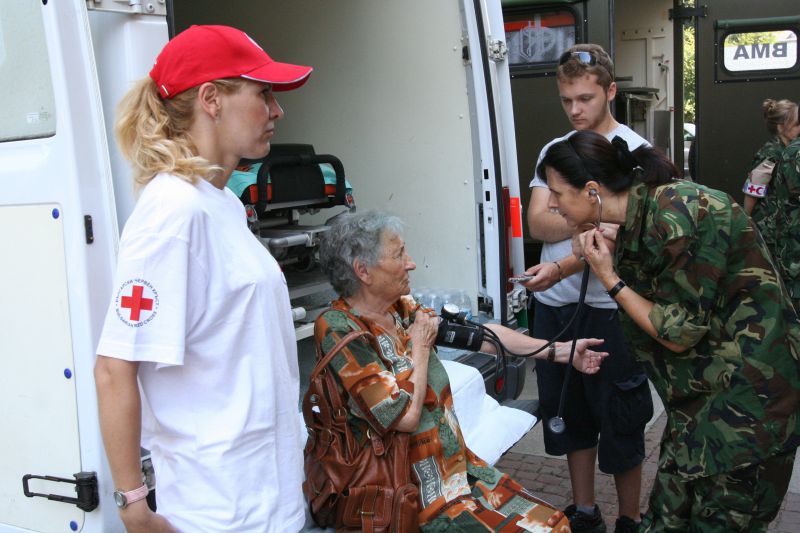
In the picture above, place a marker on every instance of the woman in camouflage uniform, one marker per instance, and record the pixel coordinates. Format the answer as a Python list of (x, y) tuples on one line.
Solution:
[(786, 190), (706, 313), (760, 201), (364, 256)]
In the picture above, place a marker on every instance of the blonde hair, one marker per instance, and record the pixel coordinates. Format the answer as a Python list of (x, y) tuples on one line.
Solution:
[(780, 112), (153, 133)]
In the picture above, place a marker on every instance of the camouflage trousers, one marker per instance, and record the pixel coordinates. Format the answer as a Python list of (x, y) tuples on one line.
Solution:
[(743, 500)]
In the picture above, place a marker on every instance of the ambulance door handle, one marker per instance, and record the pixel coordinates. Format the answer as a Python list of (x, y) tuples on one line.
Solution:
[(85, 485)]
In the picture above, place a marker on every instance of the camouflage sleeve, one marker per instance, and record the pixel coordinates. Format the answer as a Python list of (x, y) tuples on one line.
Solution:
[(790, 170), (689, 261), (788, 196), (374, 393), (760, 175), (770, 151)]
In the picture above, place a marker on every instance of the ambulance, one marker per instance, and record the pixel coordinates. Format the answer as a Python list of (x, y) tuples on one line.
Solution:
[(436, 110)]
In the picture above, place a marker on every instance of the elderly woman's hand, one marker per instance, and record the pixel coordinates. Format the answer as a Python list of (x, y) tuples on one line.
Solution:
[(585, 360), (423, 330)]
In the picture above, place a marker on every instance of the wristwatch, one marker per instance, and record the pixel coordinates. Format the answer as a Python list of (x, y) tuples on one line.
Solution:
[(123, 499)]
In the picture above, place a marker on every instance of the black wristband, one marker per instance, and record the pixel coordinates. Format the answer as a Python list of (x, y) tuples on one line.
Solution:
[(613, 291)]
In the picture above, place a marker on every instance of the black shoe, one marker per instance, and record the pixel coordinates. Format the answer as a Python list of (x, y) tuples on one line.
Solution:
[(626, 525), (585, 523)]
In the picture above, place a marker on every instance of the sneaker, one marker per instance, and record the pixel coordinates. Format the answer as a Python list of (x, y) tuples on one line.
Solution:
[(585, 523), (626, 525)]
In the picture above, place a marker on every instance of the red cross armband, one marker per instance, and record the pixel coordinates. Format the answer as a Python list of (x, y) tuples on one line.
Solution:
[(759, 178), (754, 190)]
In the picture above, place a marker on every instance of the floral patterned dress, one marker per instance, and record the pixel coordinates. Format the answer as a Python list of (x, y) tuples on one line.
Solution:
[(458, 490)]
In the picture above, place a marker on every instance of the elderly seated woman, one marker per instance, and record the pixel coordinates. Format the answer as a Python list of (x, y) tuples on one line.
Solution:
[(366, 261)]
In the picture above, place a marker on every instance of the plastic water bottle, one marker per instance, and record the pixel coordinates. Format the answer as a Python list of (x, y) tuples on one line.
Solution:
[(462, 300), (436, 300), (420, 295)]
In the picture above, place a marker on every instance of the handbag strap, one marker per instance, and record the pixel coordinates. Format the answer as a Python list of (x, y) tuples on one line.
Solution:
[(337, 417), (332, 411), (343, 342)]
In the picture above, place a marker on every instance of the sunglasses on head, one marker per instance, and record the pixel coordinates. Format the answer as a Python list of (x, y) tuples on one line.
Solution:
[(582, 56)]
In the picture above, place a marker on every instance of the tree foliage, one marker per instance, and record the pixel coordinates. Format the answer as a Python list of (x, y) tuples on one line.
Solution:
[(688, 74), (762, 37)]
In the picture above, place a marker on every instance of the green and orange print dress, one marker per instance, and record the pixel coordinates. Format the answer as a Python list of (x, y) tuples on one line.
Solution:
[(458, 490)]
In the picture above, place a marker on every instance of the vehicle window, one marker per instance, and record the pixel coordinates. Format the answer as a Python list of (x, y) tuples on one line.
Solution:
[(28, 105), (760, 51), (538, 39)]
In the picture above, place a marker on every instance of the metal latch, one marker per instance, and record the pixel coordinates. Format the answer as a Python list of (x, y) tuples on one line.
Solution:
[(497, 50), (85, 485), (516, 300)]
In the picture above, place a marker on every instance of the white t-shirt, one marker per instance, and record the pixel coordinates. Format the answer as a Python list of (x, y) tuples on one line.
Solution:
[(568, 290), (205, 308)]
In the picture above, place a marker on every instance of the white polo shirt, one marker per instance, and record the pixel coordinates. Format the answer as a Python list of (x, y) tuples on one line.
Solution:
[(205, 309)]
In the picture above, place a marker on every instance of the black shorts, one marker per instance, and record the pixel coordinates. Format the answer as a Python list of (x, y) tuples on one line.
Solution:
[(609, 409)]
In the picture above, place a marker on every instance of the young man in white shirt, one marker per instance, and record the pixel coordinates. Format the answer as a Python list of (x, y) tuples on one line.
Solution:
[(605, 414)]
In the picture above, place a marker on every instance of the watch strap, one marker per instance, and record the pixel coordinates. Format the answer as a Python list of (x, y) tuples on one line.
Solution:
[(135, 495), (613, 291)]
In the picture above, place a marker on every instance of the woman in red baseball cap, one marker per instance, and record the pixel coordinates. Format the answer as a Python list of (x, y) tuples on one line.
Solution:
[(197, 359)]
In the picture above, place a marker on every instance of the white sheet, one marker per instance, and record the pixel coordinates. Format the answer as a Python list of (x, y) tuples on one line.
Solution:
[(489, 428)]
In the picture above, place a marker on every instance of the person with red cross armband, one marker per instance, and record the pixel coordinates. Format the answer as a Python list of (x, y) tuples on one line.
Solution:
[(197, 360), (759, 202)]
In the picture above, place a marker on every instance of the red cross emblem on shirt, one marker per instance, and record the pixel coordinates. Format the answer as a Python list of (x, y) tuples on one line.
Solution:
[(136, 302), (752, 189)]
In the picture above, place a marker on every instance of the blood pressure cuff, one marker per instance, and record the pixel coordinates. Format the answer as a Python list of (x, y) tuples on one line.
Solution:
[(758, 181)]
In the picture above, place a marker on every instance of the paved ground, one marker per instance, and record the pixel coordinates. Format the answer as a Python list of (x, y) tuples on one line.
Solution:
[(548, 477)]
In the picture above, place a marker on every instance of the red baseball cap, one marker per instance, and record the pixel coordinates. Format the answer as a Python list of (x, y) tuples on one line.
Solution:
[(206, 53)]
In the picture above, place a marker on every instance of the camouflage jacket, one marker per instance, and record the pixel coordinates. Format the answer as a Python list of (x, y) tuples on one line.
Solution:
[(766, 209), (732, 398), (786, 187)]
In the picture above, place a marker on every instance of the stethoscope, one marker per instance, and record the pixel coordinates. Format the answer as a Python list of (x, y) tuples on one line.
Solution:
[(450, 312), (557, 424)]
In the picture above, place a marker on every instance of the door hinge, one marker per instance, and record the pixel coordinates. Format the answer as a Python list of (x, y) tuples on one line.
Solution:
[(687, 13), (497, 50), (85, 485)]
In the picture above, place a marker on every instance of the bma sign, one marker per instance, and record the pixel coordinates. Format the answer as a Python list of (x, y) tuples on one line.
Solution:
[(778, 55)]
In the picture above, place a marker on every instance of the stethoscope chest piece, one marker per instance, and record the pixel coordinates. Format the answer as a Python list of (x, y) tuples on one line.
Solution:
[(557, 425)]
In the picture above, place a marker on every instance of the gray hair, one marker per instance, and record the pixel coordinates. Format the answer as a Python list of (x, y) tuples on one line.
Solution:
[(351, 237)]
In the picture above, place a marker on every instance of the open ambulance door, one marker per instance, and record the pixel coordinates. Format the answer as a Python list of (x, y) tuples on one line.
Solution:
[(500, 209), (58, 239), (413, 97), (745, 52)]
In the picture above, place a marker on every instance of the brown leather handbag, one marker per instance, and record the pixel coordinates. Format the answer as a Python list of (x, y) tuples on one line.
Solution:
[(349, 486)]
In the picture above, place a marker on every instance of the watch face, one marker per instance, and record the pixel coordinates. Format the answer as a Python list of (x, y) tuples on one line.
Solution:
[(119, 499)]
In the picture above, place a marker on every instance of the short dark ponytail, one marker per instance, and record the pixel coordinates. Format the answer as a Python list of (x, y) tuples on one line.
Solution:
[(587, 155)]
